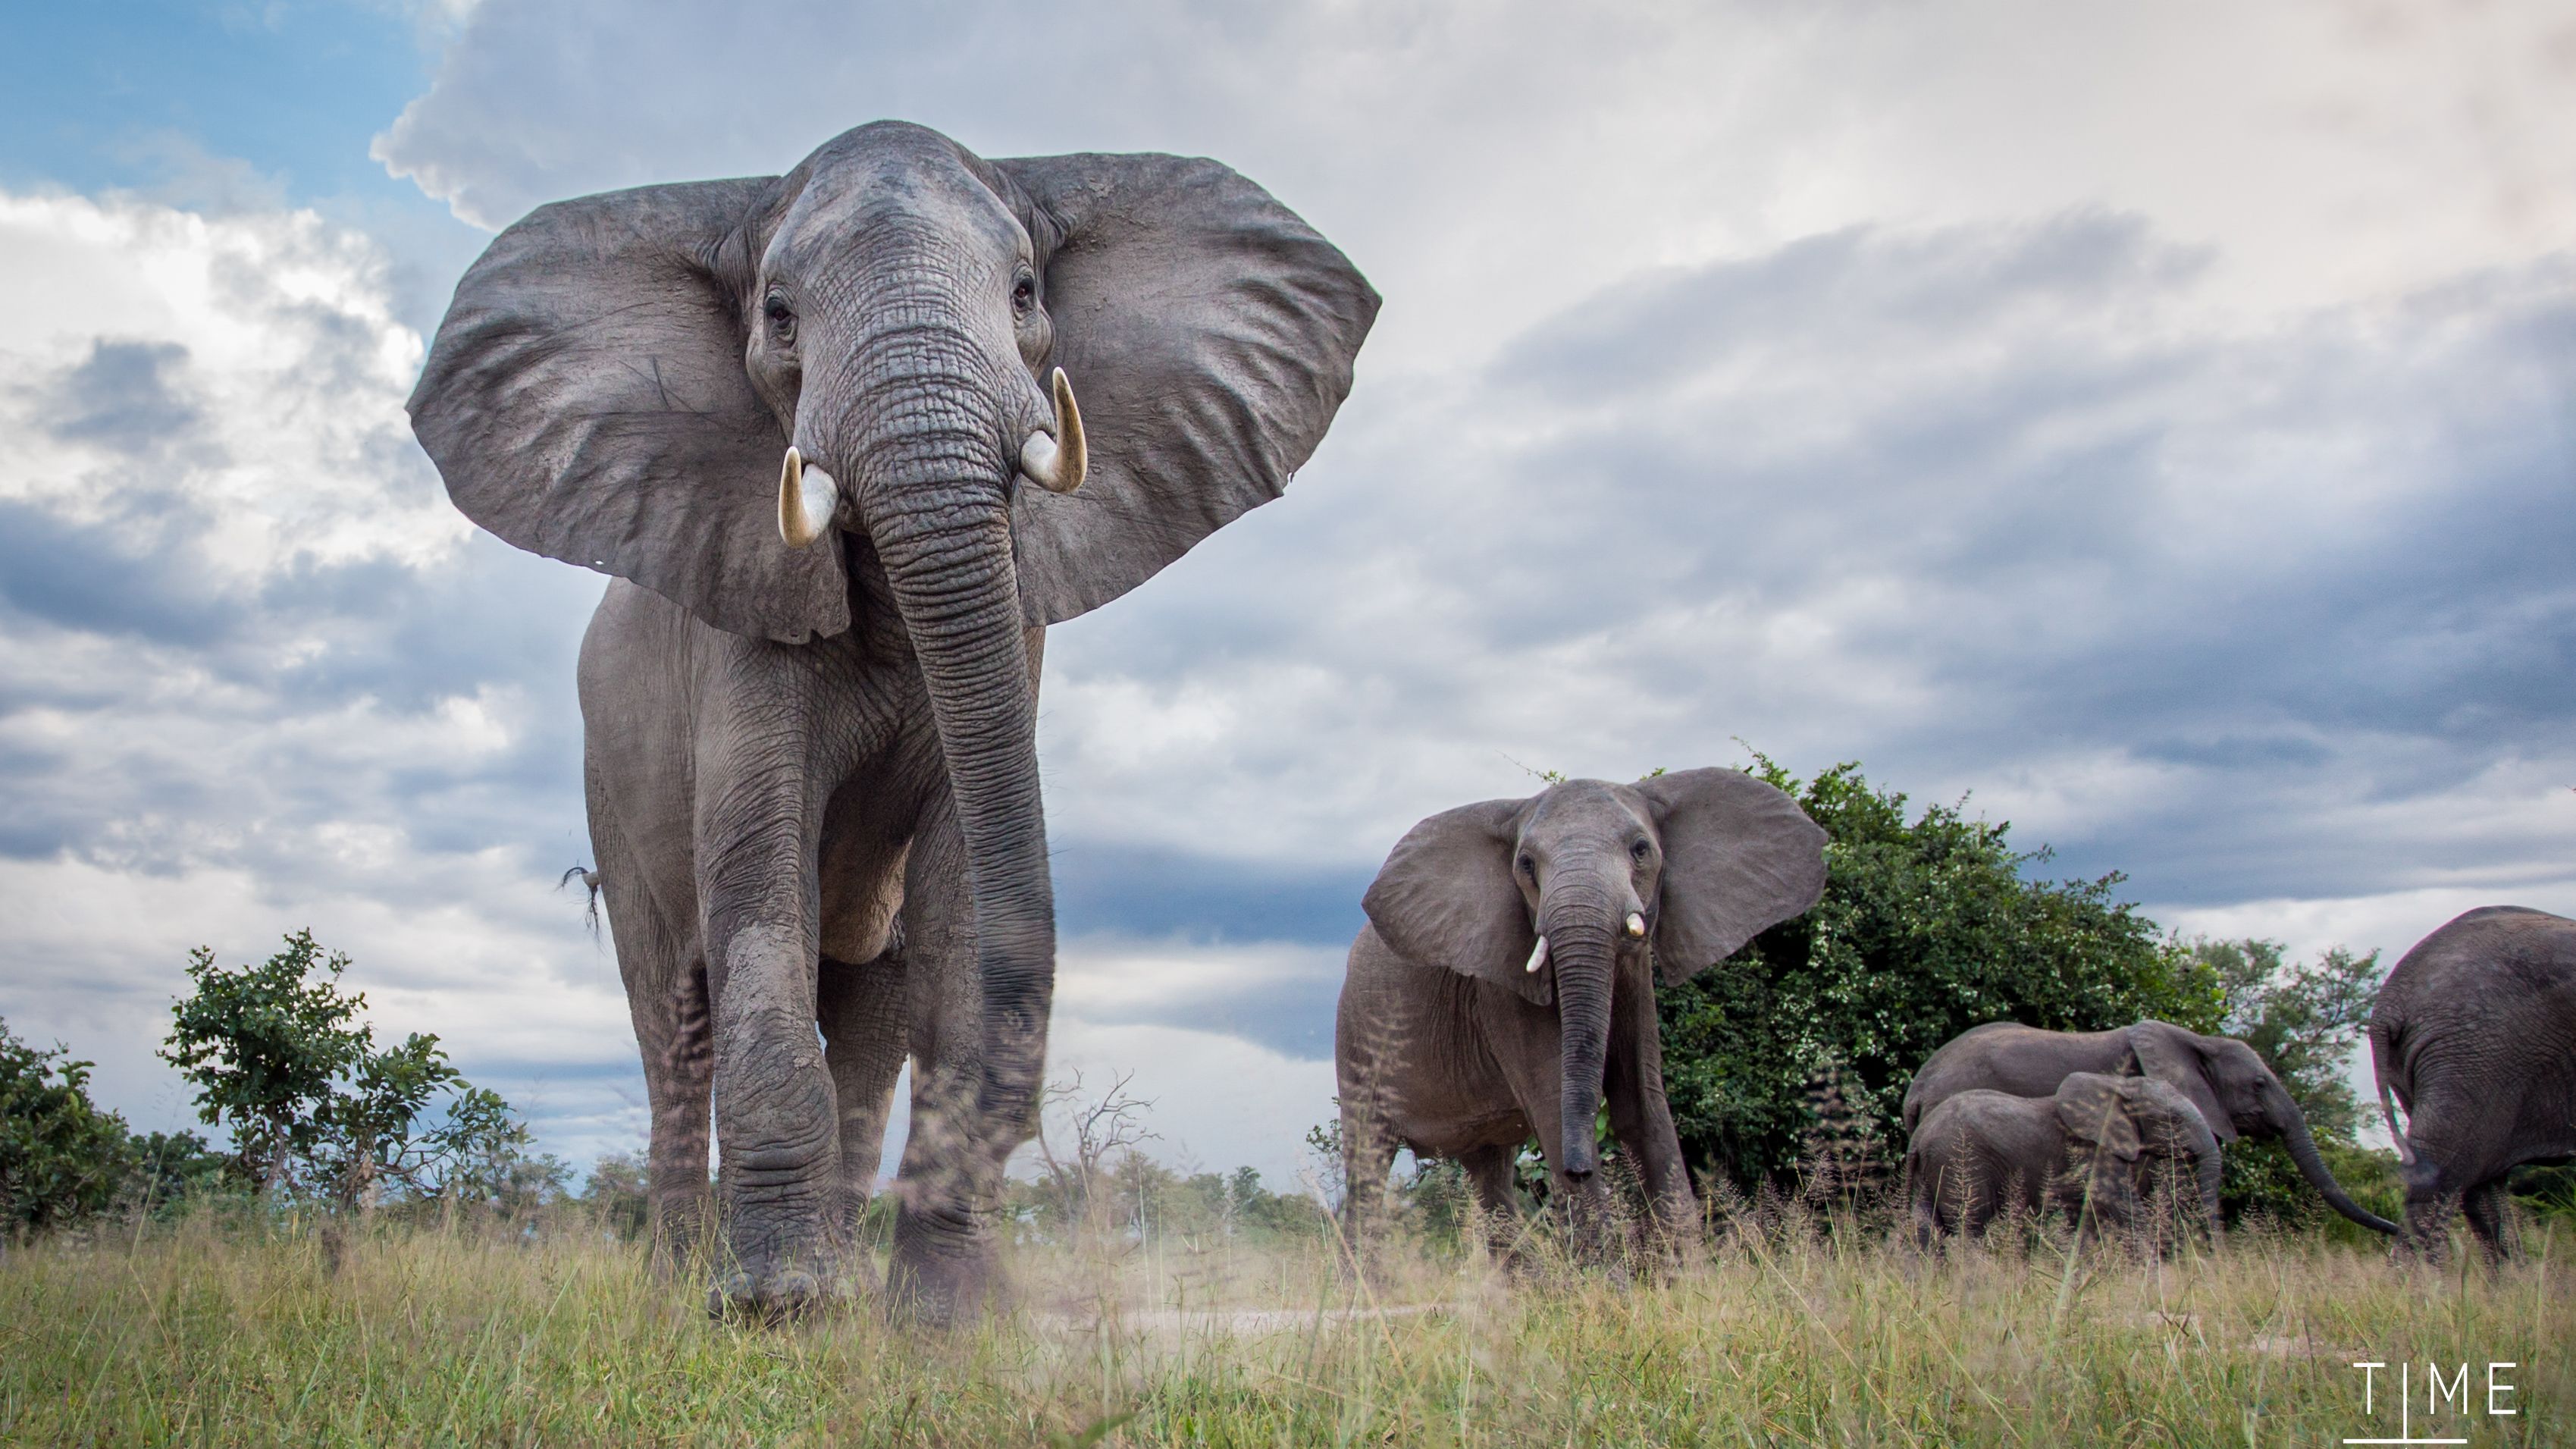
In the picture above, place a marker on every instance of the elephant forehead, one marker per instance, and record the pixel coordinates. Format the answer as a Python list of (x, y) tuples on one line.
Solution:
[(1584, 813), (927, 194)]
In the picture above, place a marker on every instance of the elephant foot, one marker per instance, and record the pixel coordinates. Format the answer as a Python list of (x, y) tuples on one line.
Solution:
[(782, 1297), (937, 1280)]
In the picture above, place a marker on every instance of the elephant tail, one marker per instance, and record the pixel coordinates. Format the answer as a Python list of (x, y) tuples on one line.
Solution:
[(2388, 1109), (2383, 1045), (590, 881)]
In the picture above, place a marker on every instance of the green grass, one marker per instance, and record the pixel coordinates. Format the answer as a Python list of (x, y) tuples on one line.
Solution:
[(219, 1337)]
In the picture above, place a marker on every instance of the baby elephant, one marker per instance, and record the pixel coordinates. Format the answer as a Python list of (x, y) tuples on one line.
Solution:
[(2100, 1142), (1505, 983)]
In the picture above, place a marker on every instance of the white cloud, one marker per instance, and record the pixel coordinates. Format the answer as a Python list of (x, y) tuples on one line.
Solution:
[(269, 343)]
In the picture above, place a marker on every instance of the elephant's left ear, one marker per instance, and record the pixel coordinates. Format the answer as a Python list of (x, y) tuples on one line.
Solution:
[(1739, 857), (1209, 336), (2095, 1111)]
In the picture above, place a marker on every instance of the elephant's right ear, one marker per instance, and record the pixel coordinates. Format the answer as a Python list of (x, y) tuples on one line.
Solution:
[(1446, 897), (586, 399), (2095, 1112), (1209, 334), (2172, 1055)]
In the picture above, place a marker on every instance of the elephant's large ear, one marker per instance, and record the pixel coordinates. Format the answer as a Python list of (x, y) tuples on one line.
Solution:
[(586, 400), (1739, 857), (2172, 1055), (2167, 1119), (2095, 1112), (1208, 334), (1445, 897)]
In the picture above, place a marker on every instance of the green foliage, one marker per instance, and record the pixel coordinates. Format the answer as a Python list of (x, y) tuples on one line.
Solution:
[(173, 1169), (1138, 1199), (1927, 928), (61, 1158), (617, 1193), (278, 1053)]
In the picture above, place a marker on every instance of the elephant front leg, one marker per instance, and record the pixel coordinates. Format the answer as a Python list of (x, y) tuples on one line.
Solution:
[(777, 1133), (1640, 1115), (946, 1194), (1489, 1171), (863, 1012), (1368, 1154)]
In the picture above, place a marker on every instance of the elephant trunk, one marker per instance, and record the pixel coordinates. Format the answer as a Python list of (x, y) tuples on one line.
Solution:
[(932, 496), (1581, 945), (2293, 1128)]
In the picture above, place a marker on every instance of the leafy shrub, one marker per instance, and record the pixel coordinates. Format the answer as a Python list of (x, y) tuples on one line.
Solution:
[(278, 1053), (61, 1158)]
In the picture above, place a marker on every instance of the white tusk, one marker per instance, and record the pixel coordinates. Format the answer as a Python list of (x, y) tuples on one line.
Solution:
[(1538, 957), (807, 501), (1636, 925), (1058, 463)]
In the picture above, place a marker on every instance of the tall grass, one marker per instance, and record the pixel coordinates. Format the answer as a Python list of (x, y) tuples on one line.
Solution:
[(216, 1335)]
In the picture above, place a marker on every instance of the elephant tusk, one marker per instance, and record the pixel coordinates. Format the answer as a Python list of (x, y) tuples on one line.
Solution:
[(1538, 957), (1636, 925), (1058, 463), (808, 499)]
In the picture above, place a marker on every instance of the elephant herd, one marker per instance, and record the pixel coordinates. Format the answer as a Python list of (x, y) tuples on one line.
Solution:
[(847, 440), (1504, 987)]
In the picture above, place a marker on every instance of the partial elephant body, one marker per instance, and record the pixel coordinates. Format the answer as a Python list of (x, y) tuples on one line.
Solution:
[(674, 798), (824, 427), (2474, 1038), (2094, 1150), (1504, 986), (2223, 1078)]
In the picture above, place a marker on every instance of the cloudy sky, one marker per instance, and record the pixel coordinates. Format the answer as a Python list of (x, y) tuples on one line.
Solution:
[(2155, 424)]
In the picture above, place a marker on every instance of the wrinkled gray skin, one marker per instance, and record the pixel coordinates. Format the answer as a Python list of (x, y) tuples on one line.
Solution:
[(796, 759), (2222, 1076), (2474, 1037), (2092, 1150), (1446, 1044)]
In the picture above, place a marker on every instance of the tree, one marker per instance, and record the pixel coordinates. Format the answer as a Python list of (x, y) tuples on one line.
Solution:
[(279, 1054), (1928, 926), (1092, 1131), (617, 1193), (61, 1158)]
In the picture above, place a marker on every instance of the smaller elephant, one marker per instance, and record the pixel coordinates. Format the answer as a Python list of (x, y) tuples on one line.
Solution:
[(2474, 1036), (1504, 985), (2092, 1150), (2223, 1077)]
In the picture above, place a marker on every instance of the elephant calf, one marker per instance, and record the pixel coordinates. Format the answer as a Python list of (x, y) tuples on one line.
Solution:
[(1504, 985), (2223, 1077), (2093, 1151)]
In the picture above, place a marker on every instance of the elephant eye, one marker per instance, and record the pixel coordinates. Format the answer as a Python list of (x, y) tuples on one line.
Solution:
[(1024, 293), (1529, 867), (782, 318), (1640, 849)]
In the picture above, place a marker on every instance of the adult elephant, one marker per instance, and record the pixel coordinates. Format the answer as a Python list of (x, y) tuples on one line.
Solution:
[(1505, 982), (2092, 1149), (2221, 1076), (2474, 1036), (802, 749)]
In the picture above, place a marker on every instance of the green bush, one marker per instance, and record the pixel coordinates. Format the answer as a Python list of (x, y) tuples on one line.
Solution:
[(279, 1054), (61, 1158)]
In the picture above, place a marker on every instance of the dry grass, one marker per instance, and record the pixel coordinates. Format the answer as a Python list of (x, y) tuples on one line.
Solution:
[(429, 1338)]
